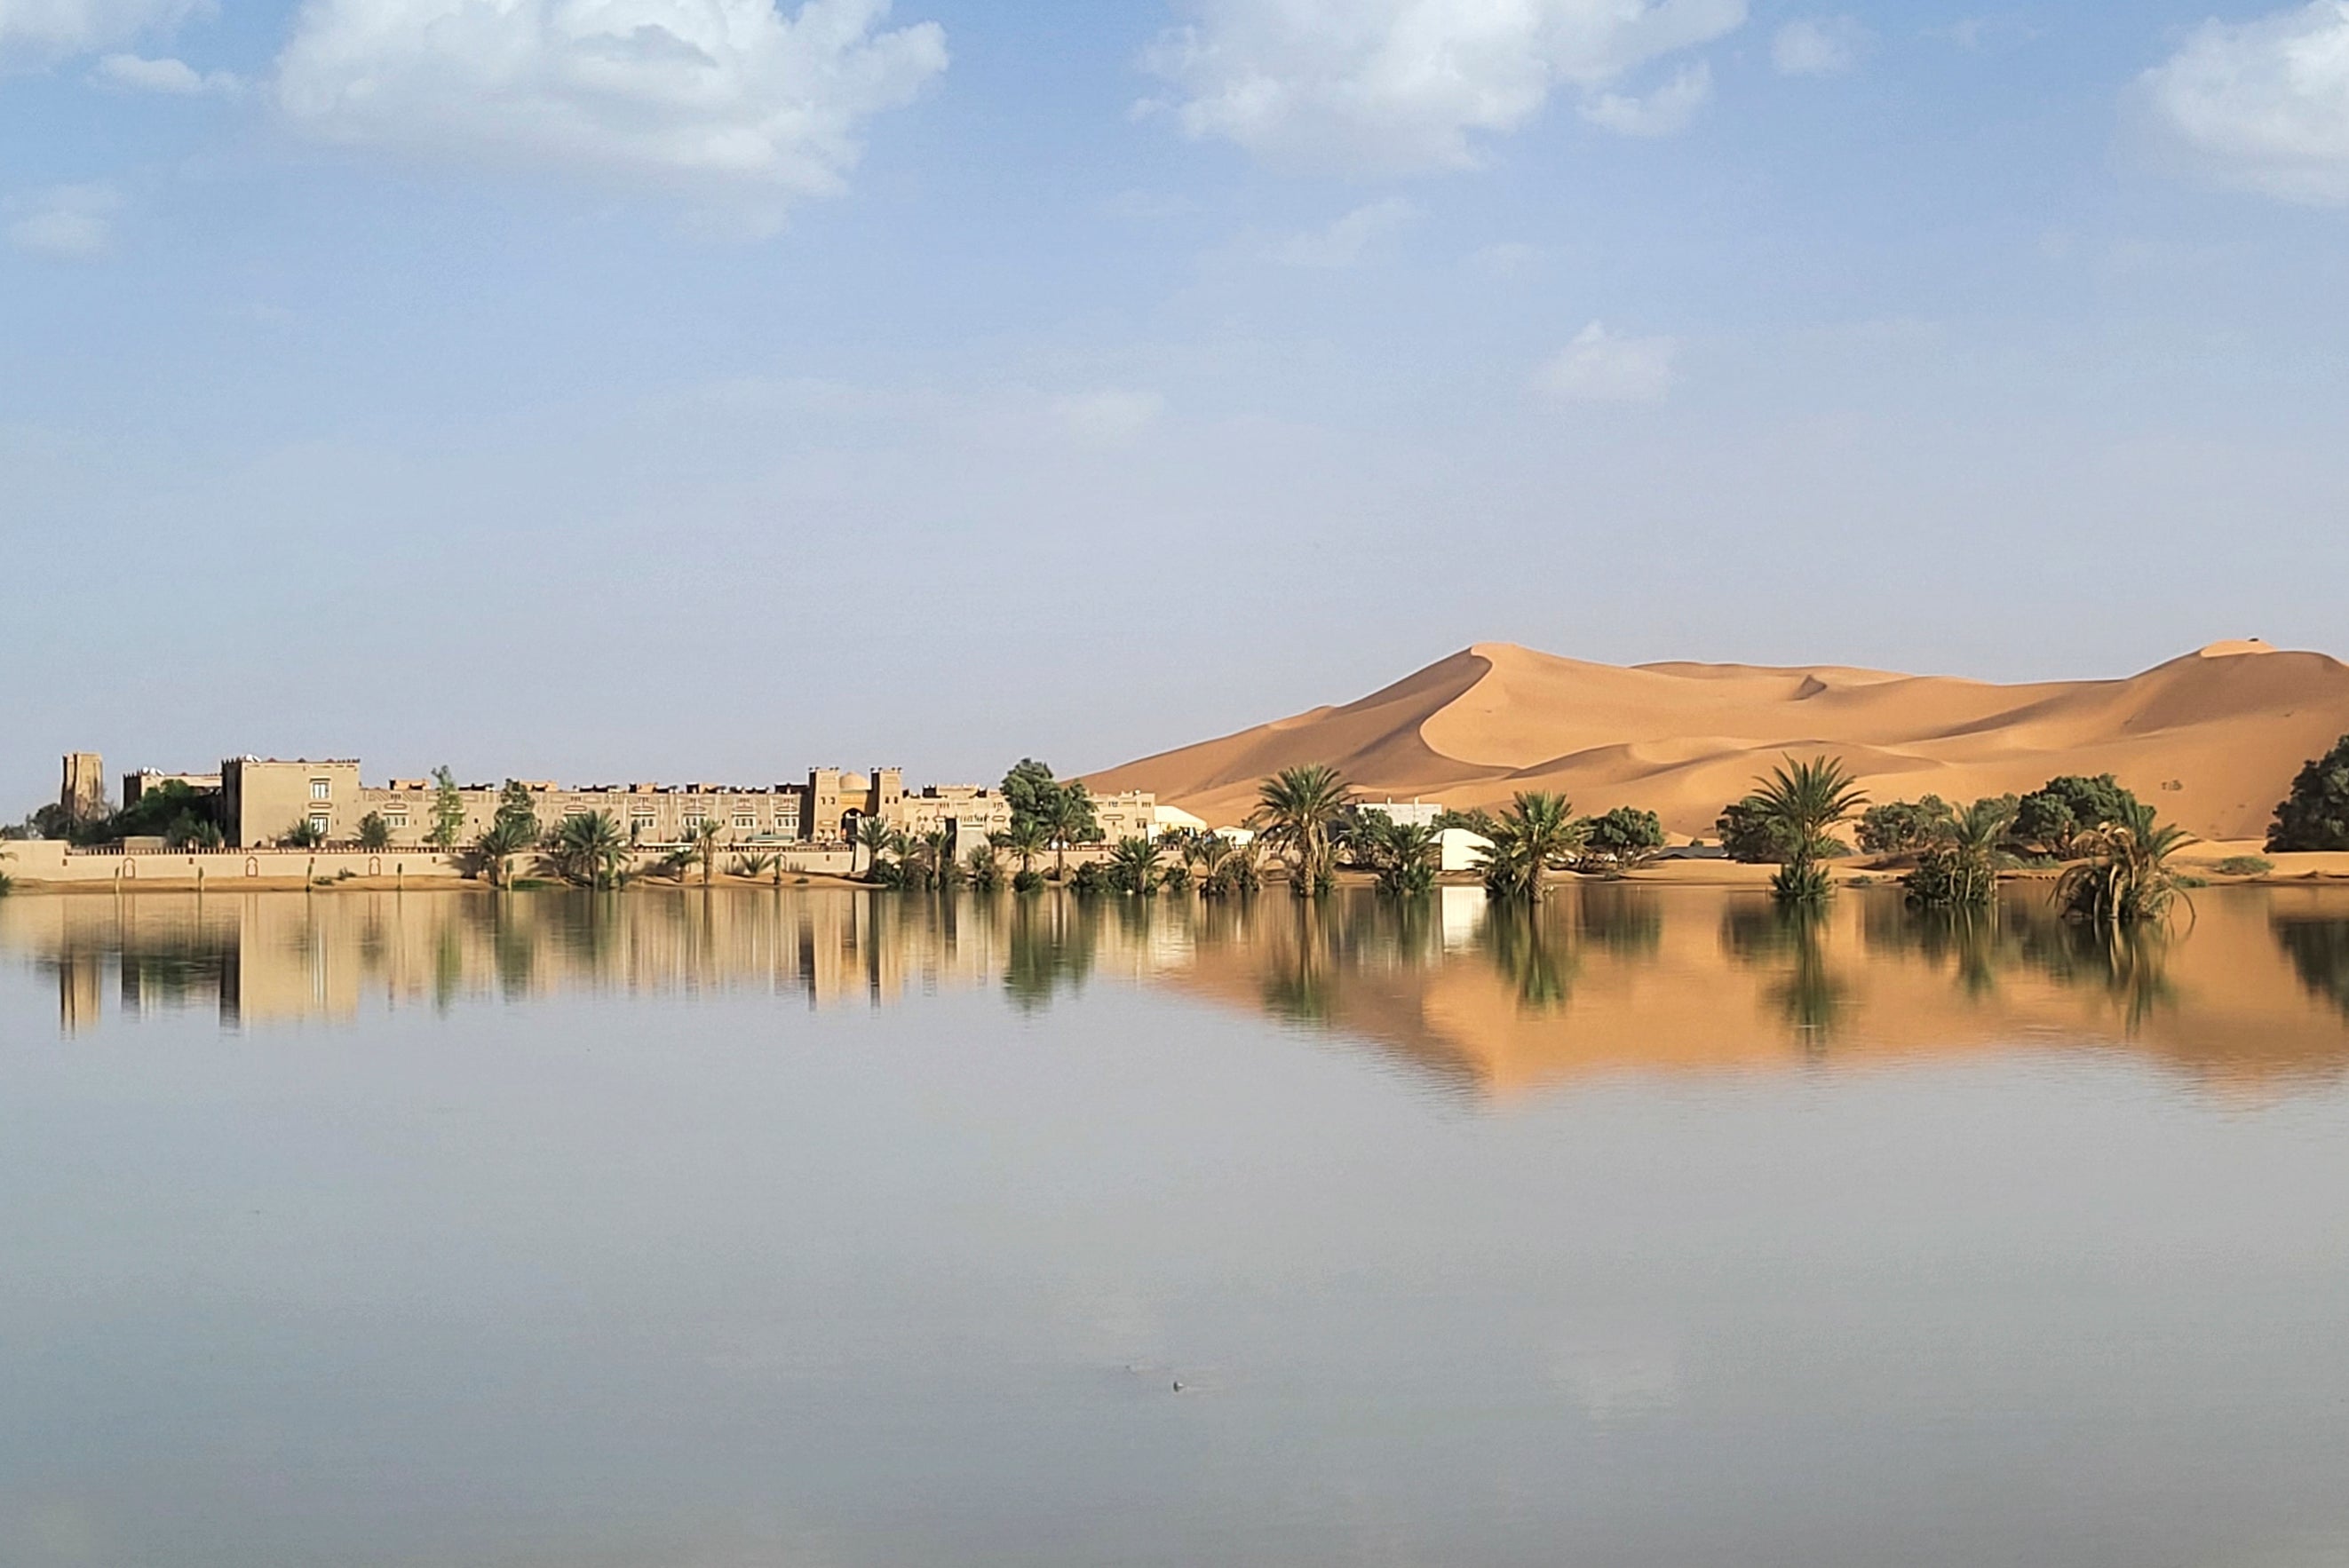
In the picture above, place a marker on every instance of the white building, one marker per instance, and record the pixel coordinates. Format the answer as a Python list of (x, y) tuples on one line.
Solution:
[(1417, 814)]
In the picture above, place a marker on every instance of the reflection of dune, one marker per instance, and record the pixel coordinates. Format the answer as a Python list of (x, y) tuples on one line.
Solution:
[(1715, 982), (2214, 736)]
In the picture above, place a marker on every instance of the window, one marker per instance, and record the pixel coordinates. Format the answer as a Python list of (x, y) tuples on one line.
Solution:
[(744, 819), (694, 820), (321, 788), (396, 820), (319, 824)]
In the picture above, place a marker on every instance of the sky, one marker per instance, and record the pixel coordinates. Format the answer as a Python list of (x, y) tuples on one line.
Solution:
[(707, 390)]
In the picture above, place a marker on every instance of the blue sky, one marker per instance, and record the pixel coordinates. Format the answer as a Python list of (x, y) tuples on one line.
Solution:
[(700, 389)]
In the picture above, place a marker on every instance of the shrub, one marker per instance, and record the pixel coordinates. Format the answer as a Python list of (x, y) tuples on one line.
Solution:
[(1089, 879), (1747, 834), (2245, 866), (1623, 839), (2315, 815), (1900, 827), (1030, 881), (2058, 815)]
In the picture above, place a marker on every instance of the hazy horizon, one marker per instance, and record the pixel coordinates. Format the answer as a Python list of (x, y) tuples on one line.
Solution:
[(718, 391)]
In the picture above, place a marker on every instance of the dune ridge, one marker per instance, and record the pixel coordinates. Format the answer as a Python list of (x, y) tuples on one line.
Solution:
[(2213, 737)]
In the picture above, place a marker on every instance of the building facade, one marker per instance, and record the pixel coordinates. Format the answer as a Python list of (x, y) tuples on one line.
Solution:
[(265, 801)]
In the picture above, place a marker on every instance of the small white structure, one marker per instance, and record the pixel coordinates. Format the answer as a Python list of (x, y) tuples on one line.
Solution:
[(1166, 820), (1462, 848), (1417, 814)]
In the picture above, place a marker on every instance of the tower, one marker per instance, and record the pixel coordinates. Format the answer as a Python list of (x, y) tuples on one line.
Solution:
[(82, 796)]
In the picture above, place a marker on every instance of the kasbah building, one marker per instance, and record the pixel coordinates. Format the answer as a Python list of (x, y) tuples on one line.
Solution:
[(263, 800)]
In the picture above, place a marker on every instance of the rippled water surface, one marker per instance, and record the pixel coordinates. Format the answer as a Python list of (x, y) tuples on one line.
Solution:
[(683, 1230)]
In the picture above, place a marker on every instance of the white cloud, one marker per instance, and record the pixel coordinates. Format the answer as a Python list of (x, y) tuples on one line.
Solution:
[(1667, 111), (2263, 104), (164, 76), (729, 93), (43, 32), (1111, 414), (68, 223), (1599, 367), (1399, 86), (1818, 46), (1342, 245)]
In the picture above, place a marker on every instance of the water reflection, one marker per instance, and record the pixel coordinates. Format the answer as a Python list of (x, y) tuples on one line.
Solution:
[(1601, 978)]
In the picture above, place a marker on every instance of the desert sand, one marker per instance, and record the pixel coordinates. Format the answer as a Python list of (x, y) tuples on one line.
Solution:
[(2212, 738)]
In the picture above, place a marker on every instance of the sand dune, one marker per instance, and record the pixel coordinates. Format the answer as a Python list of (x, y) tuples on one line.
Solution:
[(2213, 737)]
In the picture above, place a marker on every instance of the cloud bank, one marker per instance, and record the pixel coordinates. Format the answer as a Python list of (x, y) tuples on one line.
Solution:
[(2263, 105), (1407, 85), (726, 92)]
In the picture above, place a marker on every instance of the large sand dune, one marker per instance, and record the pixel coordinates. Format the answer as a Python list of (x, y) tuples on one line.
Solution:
[(2214, 738)]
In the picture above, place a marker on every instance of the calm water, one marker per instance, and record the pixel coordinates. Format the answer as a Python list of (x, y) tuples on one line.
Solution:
[(686, 1231)]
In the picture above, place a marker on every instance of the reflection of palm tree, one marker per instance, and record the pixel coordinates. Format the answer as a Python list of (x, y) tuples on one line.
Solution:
[(1524, 945), (1300, 969), (1806, 993), (1051, 943)]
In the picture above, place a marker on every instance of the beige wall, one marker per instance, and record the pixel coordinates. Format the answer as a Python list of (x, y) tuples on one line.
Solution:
[(263, 800)]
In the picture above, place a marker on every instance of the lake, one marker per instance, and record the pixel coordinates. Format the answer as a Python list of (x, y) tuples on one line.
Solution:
[(694, 1230)]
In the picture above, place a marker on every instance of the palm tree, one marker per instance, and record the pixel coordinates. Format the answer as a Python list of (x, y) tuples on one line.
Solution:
[(499, 843), (1403, 854), (2127, 879), (1960, 868), (1133, 865), (1068, 819), (706, 834), (589, 849), (877, 837), (756, 864), (1800, 803), (1299, 811), (1536, 835), (984, 871), (1026, 838)]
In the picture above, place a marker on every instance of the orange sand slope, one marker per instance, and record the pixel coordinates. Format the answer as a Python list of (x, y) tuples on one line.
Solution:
[(2213, 738)]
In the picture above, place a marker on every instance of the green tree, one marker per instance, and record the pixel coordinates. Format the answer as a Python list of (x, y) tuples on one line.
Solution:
[(983, 870), (2126, 879), (2315, 815), (1070, 819), (1748, 835), (448, 811), (1904, 827), (1299, 813), (2056, 816), (1536, 835), (588, 849), (1029, 788), (518, 813), (374, 833), (1802, 803), (1623, 840)]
